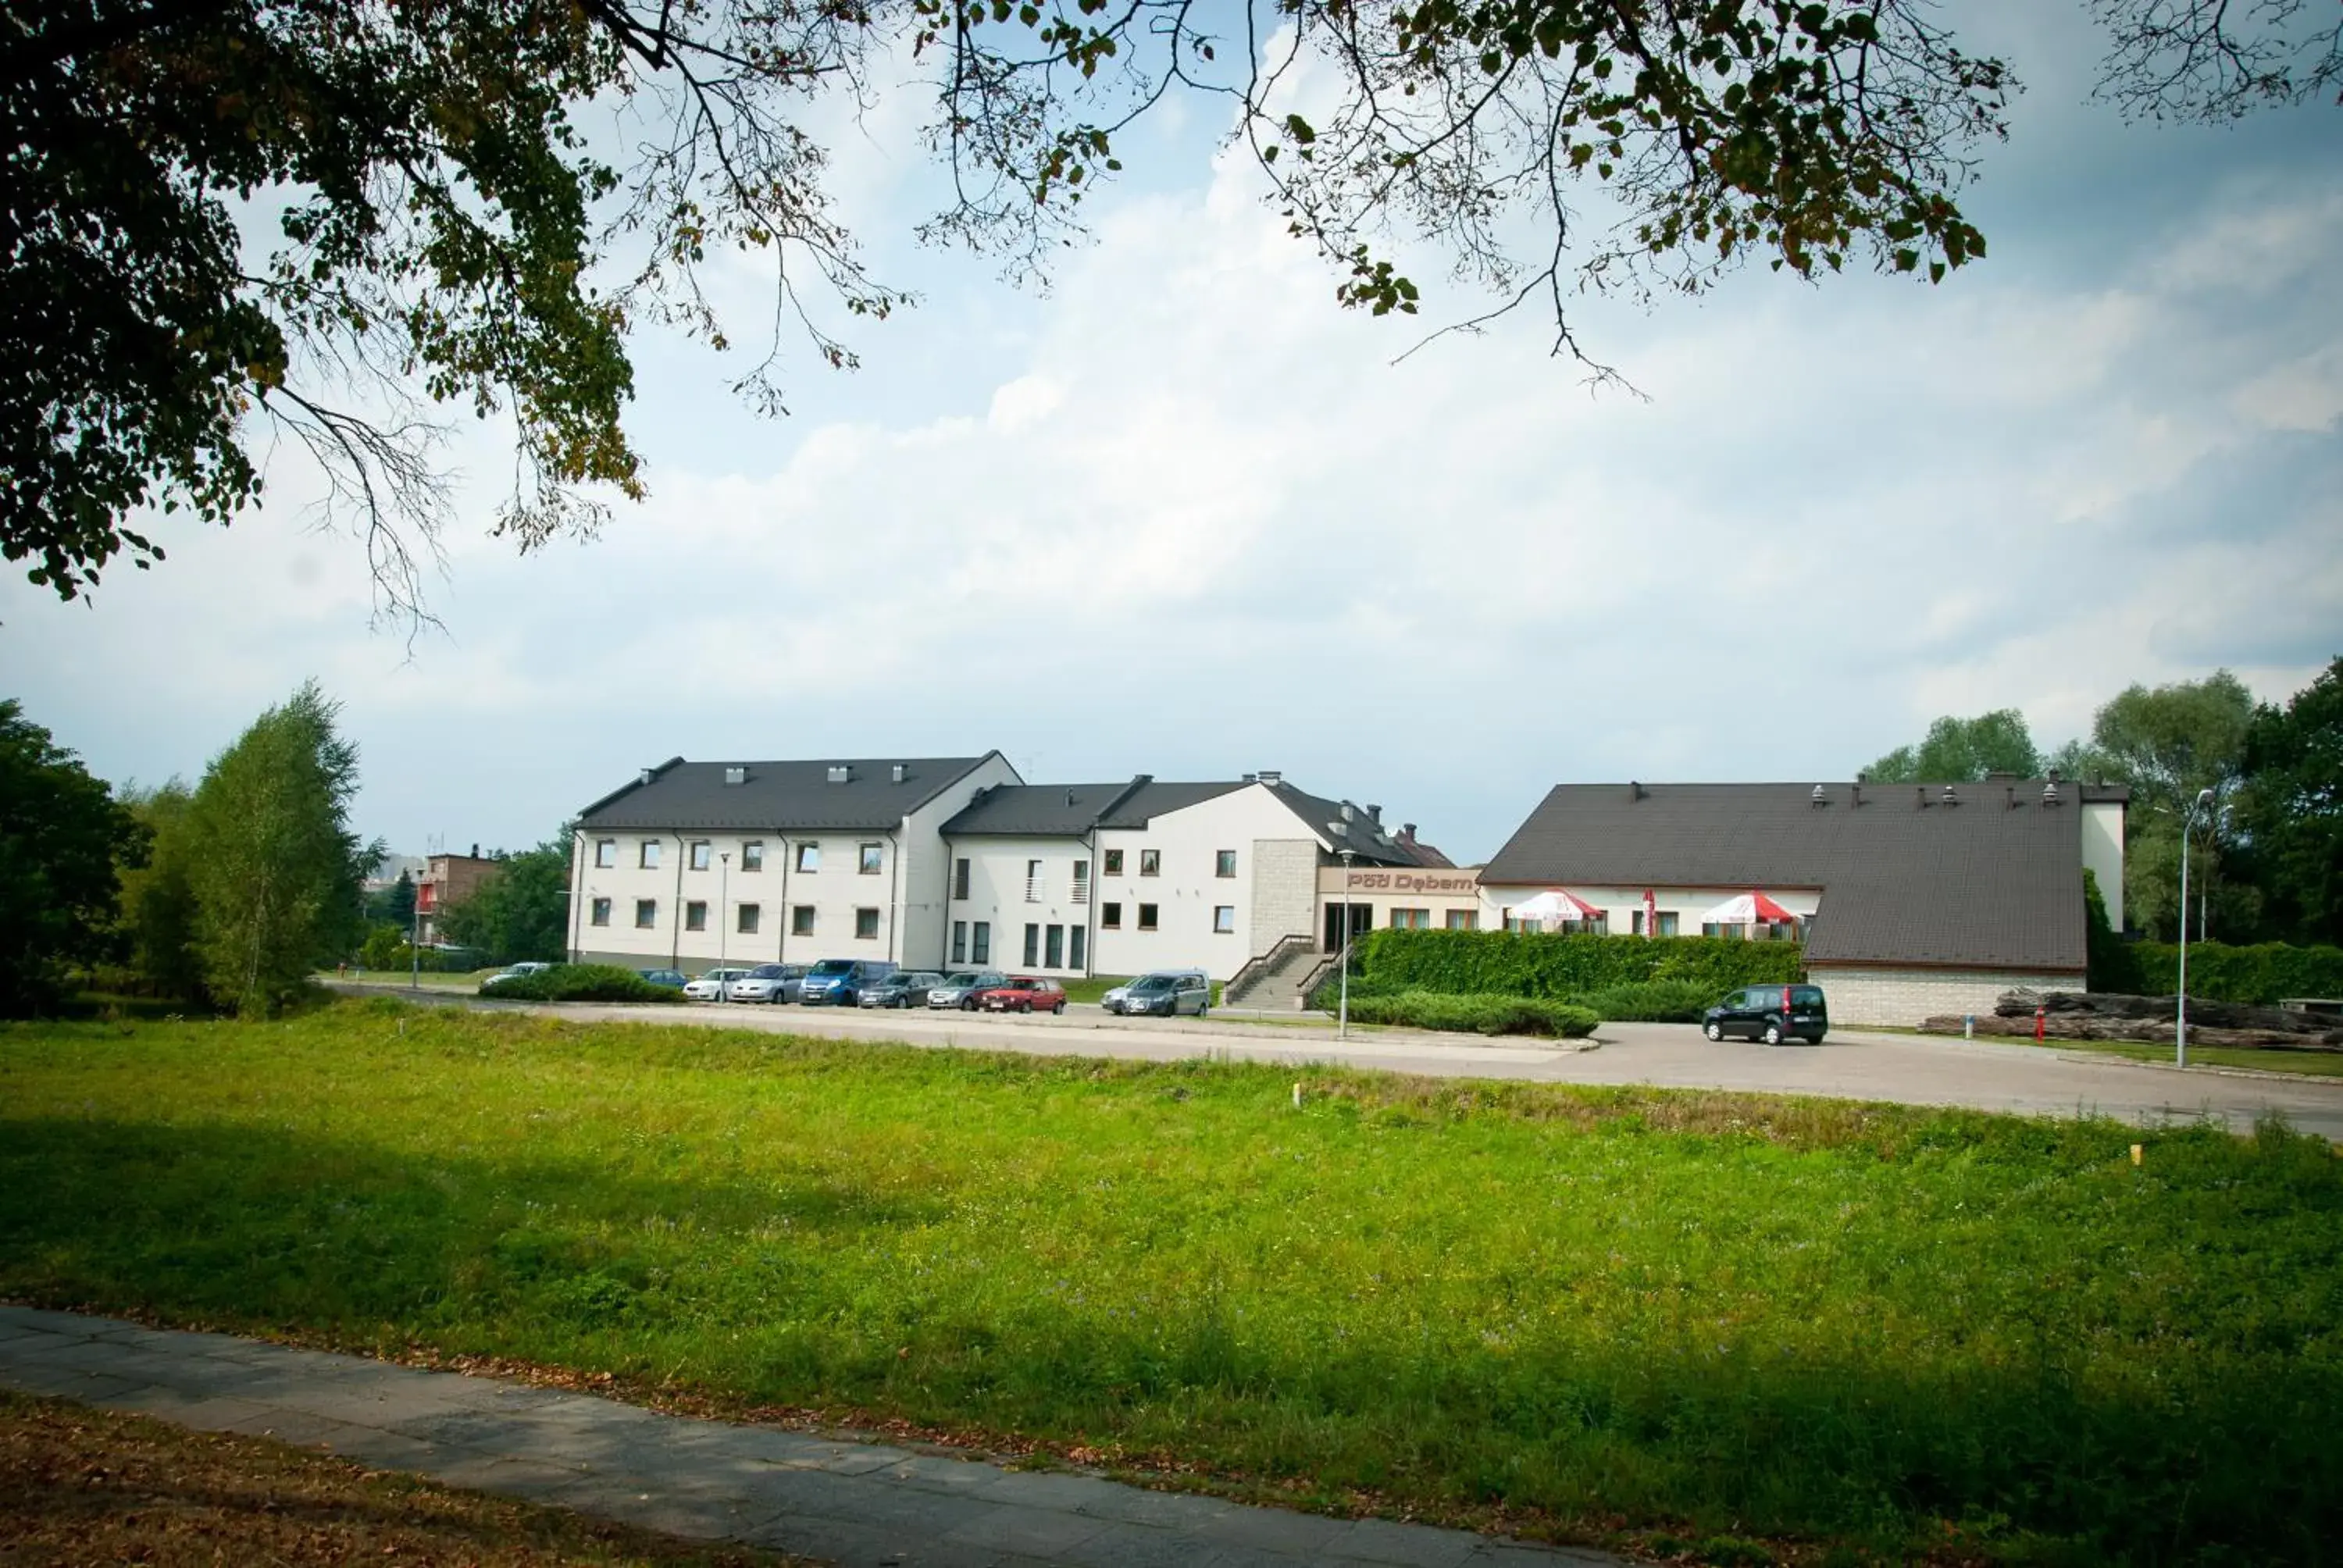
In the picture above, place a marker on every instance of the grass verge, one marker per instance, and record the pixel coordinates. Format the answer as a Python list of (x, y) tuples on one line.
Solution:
[(80, 1486), (1621, 1314)]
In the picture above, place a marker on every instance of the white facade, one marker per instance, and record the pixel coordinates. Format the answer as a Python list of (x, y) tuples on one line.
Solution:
[(1209, 886), (689, 900)]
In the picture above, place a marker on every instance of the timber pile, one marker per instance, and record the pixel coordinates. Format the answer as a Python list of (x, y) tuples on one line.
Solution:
[(2080, 1015)]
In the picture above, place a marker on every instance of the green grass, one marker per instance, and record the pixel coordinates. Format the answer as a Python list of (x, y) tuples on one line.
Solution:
[(1621, 1313)]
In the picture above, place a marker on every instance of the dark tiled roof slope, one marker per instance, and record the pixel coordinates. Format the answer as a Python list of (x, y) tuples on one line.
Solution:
[(782, 796), (1372, 843), (1070, 810), (1037, 811), (1153, 799), (1980, 884)]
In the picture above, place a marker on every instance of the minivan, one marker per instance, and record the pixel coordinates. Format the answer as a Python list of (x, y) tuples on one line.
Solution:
[(1772, 1013), (840, 981)]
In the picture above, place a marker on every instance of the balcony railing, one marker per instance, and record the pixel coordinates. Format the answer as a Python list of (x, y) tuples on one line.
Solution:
[(1082, 893), (1033, 889)]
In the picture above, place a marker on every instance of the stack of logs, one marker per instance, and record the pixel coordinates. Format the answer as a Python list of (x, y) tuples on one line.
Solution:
[(2080, 1015)]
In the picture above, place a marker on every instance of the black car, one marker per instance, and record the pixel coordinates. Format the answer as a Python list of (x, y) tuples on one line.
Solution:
[(1772, 1013)]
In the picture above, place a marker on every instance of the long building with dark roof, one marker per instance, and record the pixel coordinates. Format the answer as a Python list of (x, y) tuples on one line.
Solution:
[(1912, 900)]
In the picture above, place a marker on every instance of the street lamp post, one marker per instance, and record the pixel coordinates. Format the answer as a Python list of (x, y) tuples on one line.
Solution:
[(723, 911), (2180, 1018), (1342, 1019)]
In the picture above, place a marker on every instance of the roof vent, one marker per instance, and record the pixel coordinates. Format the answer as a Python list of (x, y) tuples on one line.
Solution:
[(1347, 812), (1270, 776), (1253, 777), (1854, 793), (899, 772), (1951, 798), (1920, 793), (1635, 791), (839, 773), (736, 774), (1070, 796), (646, 776), (2011, 790), (1375, 814), (1820, 797), (2050, 792)]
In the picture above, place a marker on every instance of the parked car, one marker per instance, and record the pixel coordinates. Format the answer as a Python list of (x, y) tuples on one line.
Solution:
[(1772, 1013), (709, 985), (1112, 1001), (515, 972), (765, 982), (672, 978), (1023, 993), (904, 988), (839, 982), (1167, 993), (961, 988)]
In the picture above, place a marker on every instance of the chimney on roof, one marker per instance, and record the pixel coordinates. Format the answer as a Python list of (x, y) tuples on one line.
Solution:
[(1070, 796), (1855, 794), (1920, 792), (476, 852), (2011, 790), (1407, 832), (1270, 776), (1635, 791), (899, 772), (1375, 815), (736, 774), (645, 776), (839, 773)]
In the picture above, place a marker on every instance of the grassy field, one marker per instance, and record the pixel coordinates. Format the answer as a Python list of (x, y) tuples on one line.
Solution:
[(1680, 1321), (79, 1486)]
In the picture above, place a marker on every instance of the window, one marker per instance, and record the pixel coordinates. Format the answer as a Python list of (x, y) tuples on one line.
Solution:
[(980, 951), (1114, 862), (1733, 928), (801, 921), (872, 856), (753, 855), (702, 854), (1034, 883), (606, 852), (1224, 919), (960, 940), (959, 882), (810, 858), (695, 915), (1470, 919), (1110, 917), (751, 916), (601, 911), (1600, 926), (1082, 890), (650, 854), (1032, 945), (1053, 948), (1151, 862), (1410, 919), (1075, 936), (866, 925), (1225, 863), (1667, 922), (646, 914), (1147, 917)]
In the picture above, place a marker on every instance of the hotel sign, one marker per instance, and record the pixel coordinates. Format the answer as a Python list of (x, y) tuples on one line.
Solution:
[(1451, 883)]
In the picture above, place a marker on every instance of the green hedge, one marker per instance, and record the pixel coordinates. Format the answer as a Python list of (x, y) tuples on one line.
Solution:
[(1475, 1014), (579, 982), (2262, 974), (1652, 1002), (1506, 963)]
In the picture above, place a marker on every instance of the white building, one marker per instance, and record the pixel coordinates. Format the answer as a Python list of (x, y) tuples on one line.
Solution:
[(762, 862), (1912, 900), (1119, 879)]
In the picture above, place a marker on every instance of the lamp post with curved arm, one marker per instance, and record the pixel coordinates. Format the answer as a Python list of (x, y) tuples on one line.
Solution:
[(2202, 802)]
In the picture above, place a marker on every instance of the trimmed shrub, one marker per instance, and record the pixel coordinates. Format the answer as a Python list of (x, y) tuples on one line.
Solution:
[(2111, 963), (1475, 1014), (1653, 1001), (580, 982), (2261, 975), (1507, 963)]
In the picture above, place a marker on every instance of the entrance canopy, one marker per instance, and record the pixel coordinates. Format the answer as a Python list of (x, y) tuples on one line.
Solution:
[(1745, 910)]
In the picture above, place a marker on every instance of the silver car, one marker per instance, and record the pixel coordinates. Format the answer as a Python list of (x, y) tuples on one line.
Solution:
[(960, 988), (904, 988), (1167, 993), (765, 982)]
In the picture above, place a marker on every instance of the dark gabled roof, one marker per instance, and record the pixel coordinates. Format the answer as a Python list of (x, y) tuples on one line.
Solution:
[(785, 797), (1072, 811), (1037, 810), (1154, 798), (1993, 882), (1368, 837)]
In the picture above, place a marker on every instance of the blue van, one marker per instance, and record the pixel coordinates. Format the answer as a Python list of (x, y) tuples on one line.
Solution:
[(838, 982)]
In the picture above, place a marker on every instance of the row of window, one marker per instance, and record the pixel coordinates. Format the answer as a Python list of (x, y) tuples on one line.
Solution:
[(1666, 924), (1225, 917), (1421, 919), (1151, 864), (749, 919), (869, 859)]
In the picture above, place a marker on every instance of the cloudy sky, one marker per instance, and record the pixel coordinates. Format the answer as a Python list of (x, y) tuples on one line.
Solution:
[(1183, 515)]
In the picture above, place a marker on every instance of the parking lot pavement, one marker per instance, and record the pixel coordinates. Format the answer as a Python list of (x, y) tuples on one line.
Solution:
[(1850, 1065), (848, 1501)]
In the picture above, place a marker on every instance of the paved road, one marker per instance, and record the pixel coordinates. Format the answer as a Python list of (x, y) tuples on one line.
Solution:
[(1850, 1065), (851, 1502)]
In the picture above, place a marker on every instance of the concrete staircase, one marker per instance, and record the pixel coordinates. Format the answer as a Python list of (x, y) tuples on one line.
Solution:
[(1277, 981)]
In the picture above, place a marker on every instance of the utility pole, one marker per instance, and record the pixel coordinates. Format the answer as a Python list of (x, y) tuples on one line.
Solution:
[(2181, 1020)]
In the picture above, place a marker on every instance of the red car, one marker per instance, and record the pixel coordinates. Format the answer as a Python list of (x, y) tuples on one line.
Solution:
[(1023, 993)]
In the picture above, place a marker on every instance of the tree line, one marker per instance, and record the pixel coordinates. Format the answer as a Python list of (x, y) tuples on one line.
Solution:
[(231, 894), (2266, 855)]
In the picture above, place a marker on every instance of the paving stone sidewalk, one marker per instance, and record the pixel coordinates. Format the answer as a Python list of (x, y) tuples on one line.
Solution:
[(851, 1503)]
